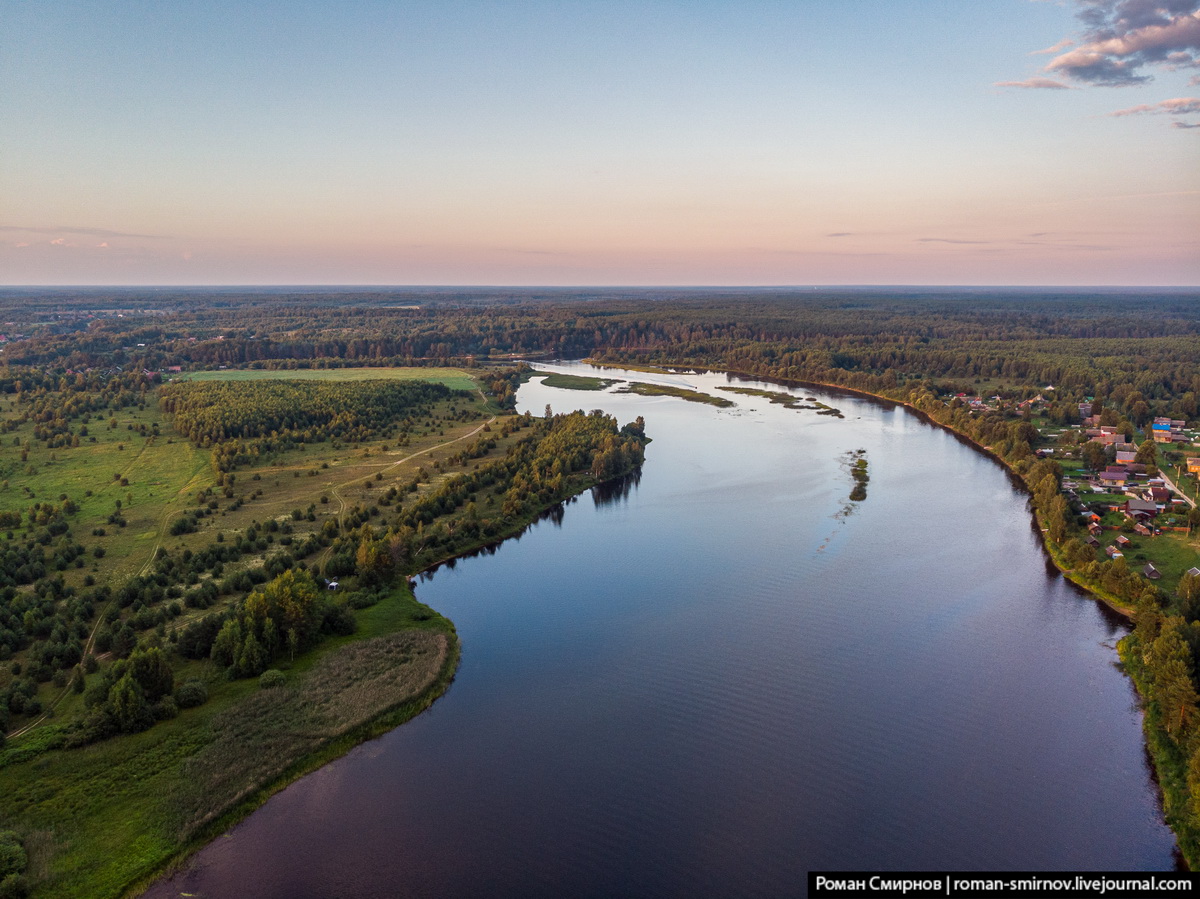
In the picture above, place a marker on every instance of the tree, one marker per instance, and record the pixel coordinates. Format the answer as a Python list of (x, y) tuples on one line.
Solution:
[(1177, 697), (152, 671), (1094, 456), (1147, 452), (127, 702)]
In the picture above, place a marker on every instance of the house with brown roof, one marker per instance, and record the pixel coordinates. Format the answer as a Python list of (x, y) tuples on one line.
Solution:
[(1140, 509)]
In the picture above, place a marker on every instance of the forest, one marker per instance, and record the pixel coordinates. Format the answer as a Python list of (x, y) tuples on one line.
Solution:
[(163, 538)]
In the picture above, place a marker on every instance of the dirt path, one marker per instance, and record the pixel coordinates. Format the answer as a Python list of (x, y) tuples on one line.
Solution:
[(91, 640), (337, 488)]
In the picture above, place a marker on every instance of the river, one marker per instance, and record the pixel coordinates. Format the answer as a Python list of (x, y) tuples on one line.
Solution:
[(726, 674)]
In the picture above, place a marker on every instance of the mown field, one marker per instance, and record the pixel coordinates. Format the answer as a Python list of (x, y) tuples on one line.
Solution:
[(454, 378)]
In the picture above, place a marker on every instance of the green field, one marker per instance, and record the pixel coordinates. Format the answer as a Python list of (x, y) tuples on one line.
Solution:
[(575, 382), (454, 378)]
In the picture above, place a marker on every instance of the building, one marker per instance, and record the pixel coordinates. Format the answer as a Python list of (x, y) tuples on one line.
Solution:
[(1140, 509)]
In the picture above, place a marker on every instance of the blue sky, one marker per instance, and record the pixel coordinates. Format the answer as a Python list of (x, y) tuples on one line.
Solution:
[(600, 143)]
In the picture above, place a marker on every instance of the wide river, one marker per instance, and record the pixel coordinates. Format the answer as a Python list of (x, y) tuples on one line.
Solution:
[(728, 675)]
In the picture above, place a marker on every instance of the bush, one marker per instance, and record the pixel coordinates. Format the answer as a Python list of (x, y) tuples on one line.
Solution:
[(165, 709), (363, 599), (271, 678), (191, 694), (12, 854), (14, 886)]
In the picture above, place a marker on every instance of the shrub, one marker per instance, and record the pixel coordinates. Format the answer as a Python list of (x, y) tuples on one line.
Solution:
[(14, 886), (190, 694), (271, 678), (12, 854)]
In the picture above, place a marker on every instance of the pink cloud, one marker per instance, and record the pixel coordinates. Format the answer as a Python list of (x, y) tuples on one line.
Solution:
[(1129, 35), (1043, 83), (1057, 48), (1177, 106)]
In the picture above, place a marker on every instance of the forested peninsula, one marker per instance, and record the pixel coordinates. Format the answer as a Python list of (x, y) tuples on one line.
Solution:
[(212, 500)]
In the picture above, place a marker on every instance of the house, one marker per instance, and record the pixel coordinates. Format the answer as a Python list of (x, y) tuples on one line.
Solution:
[(1095, 530), (1160, 496), (1194, 572), (1123, 542), (1124, 458), (1112, 477), (1143, 529), (332, 585), (1193, 465), (1092, 542), (1140, 509), (1151, 572), (1113, 552)]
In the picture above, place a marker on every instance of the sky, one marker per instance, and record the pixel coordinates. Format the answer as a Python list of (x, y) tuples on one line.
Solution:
[(404, 142)]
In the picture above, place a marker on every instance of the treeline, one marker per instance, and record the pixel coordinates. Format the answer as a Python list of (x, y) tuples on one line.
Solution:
[(557, 458), (244, 420), (1102, 345), (211, 412)]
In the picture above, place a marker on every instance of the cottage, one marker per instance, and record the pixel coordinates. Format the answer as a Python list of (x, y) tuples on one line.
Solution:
[(1140, 509), (1126, 458), (1092, 542), (1193, 465), (1123, 542), (1160, 496), (1095, 530), (1143, 529), (1112, 552), (1151, 572), (1112, 478)]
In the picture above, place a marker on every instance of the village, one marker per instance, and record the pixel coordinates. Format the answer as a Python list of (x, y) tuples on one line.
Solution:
[(1133, 489)]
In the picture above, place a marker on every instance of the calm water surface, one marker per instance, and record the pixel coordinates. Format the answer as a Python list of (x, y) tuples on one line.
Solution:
[(729, 676)]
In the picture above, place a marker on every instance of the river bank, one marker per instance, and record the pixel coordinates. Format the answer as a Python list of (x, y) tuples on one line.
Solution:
[(1052, 554)]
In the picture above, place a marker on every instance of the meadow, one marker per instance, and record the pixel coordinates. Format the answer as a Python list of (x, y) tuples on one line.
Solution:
[(454, 378)]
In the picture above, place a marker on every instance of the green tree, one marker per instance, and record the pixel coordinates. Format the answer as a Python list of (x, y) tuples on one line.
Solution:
[(1093, 456), (128, 705)]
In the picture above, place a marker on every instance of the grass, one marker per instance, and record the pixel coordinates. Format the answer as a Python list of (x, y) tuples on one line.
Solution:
[(452, 377), (113, 814), (1172, 554), (272, 730), (576, 382), (156, 478), (694, 396), (786, 399)]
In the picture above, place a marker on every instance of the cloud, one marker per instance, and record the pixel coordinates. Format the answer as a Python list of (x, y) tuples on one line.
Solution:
[(840, 234), (1124, 37), (90, 232), (1185, 124), (1057, 48), (949, 240), (1178, 106), (1046, 83)]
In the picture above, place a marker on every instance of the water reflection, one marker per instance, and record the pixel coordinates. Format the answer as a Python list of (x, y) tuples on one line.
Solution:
[(675, 690)]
